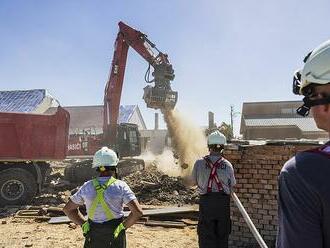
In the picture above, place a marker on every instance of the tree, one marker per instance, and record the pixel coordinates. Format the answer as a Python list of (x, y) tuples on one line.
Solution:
[(226, 130)]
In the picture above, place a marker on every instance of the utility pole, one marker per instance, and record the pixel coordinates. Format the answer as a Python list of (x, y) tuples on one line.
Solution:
[(231, 119)]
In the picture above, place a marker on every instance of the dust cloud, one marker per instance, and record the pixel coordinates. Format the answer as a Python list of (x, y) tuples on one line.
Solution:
[(164, 162), (188, 140), (188, 144)]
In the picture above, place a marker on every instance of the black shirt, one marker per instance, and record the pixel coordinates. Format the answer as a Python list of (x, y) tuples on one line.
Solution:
[(304, 202)]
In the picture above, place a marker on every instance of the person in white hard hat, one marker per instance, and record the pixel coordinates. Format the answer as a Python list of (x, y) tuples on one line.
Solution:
[(214, 176), (304, 185), (104, 198)]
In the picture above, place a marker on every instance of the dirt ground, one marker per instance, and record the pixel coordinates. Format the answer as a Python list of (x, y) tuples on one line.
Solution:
[(28, 233), (157, 189)]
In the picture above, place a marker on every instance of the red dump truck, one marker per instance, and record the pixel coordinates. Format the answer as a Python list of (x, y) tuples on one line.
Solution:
[(27, 141)]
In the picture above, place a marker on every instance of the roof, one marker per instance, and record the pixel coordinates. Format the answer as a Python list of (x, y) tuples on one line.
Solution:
[(84, 117), (275, 114), (21, 100), (125, 113), (304, 124)]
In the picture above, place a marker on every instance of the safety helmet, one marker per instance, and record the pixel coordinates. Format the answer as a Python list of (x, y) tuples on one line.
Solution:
[(316, 69), (216, 138), (105, 157)]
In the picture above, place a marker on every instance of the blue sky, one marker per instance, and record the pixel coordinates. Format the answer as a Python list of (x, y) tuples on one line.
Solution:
[(223, 52)]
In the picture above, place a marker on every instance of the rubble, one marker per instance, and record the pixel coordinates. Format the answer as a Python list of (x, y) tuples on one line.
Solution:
[(57, 190), (152, 187)]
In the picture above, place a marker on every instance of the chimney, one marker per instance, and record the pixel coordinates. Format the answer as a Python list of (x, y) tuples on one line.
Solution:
[(211, 120), (156, 121)]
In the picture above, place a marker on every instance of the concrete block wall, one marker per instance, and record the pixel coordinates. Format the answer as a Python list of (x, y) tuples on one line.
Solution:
[(256, 171)]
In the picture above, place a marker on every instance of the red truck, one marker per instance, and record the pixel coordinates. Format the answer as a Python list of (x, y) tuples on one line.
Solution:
[(27, 141)]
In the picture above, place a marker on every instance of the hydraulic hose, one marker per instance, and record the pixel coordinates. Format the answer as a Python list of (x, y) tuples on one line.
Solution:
[(248, 221)]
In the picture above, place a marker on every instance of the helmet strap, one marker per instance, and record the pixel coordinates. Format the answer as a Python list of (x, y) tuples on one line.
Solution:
[(308, 103)]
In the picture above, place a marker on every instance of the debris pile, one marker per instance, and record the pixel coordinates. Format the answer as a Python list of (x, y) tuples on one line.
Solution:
[(56, 191), (155, 188), (151, 187)]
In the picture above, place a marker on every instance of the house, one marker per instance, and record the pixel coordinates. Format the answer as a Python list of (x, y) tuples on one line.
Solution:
[(277, 120), (91, 118)]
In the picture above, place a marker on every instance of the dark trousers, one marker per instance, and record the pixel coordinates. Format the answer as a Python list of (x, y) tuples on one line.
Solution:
[(101, 235), (214, 223)]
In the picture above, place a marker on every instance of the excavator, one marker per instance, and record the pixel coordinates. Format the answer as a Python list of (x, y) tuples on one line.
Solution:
[(124, 137), (28, 141)]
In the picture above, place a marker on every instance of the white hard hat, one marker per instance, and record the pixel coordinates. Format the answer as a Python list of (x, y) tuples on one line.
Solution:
[(216, 138), (316, 69), (105, 157)]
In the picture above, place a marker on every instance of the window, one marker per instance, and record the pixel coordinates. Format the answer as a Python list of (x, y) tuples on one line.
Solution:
[(132, 136)]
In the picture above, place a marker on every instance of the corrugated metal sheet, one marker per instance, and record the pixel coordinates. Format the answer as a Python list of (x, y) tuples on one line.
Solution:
[(21, 100), (305, 124)]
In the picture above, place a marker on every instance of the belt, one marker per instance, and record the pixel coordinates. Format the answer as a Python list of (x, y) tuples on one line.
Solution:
[(113, 222)]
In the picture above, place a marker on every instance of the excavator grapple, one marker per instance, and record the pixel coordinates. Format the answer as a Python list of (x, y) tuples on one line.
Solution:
[(160, 97)]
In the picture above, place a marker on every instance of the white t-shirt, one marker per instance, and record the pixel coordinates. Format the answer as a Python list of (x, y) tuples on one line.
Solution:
[(116, 195)]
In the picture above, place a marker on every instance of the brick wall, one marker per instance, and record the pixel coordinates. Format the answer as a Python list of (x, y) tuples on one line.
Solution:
[(256, 172)]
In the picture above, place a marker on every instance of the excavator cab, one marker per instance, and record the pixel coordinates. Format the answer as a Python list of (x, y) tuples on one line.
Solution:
[(128, 140)]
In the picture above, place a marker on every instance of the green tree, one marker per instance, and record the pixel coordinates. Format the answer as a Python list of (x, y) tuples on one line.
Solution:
[(226, 130)]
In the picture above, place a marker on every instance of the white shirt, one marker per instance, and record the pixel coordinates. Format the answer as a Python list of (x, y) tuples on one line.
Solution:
[(116, 195)]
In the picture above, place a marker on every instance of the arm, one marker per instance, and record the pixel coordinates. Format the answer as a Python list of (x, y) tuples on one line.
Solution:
[(232, 179), (71, 210), (134, 216), (163, 75), (299, 211), (191, 180)]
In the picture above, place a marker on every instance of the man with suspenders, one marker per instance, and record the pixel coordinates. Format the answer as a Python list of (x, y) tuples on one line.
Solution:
[(104, 198), (304, 185), (214, 176)]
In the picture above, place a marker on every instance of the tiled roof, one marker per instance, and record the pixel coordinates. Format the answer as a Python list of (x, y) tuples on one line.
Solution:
[(21, 100), (306, 124), (125, 113), (84, 117)]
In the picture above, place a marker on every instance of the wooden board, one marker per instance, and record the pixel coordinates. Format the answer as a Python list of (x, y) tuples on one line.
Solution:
[(149, 212), (169, 224)]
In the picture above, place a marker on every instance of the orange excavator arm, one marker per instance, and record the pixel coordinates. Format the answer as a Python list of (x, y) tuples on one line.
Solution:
[(159, 96)]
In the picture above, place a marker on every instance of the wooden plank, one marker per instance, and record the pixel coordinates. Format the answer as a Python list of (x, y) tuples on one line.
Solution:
[(149, 212), (36, 217), (189, 222), (169, 210), (168, 224)]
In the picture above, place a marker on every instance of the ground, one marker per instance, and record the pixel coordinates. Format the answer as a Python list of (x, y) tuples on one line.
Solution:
[(28, 233), (155, 189)]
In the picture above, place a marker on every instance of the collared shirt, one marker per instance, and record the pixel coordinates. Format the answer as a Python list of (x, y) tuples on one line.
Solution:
[(116, 195), (201, 173)]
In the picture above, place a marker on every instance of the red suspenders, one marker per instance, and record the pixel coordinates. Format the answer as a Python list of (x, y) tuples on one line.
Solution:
[(213, 175)]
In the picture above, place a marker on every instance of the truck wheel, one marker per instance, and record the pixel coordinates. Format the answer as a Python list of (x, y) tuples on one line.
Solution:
[(17, 187)]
